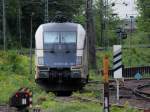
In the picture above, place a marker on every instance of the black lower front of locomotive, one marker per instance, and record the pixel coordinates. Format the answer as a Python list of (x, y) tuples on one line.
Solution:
[(60, 80)]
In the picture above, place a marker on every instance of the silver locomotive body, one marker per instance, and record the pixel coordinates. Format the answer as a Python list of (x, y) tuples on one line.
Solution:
[(61, 57)]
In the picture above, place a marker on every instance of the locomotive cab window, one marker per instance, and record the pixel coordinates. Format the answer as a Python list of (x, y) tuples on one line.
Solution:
[(51, 37), (68, 37)]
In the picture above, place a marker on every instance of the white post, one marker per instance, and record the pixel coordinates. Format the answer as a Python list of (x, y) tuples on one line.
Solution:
[(117, 66), (118, 95)]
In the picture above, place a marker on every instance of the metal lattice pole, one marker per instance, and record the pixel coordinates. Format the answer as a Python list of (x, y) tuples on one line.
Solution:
[(20, 35), (31, 22), (4, 26), (105, 20), (46, 12), (102, 22)]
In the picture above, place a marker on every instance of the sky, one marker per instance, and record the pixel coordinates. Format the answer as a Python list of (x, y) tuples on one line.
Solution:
[(125, 11)]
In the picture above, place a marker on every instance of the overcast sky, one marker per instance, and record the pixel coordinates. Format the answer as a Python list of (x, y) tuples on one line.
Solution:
[(123, 10)]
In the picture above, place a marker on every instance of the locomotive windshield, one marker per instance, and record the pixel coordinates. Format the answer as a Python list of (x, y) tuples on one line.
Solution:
[(51, 37), (59, 37), (68, 37)]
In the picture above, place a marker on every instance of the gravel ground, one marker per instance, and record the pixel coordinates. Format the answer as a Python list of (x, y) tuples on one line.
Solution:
[(127, 97), (6, 108)]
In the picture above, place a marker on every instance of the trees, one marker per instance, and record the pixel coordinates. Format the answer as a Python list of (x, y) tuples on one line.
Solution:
[(105, 26), (144, 18), (18, 15), (68, 8)]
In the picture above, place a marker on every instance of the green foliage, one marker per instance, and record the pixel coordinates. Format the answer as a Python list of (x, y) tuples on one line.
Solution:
[(72, 9), (69, 9), (93, 75), (131, 57), (10, 83), (137, 38), (144, 18), (14, 74), (112, 23), (126, 109), (74, 106), (14, 63)]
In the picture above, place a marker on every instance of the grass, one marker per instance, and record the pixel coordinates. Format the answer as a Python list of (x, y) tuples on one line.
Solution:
[(74, 106), (11, 83), (77, 106), (14, 74)]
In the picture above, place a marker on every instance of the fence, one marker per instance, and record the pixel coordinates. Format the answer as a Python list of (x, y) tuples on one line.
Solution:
[(132, 71)]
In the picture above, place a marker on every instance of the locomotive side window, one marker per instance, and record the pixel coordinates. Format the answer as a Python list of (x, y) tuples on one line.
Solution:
[(51, 37), (68, 37)]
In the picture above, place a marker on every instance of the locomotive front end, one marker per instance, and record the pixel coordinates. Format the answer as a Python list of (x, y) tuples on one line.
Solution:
[(59, 59)]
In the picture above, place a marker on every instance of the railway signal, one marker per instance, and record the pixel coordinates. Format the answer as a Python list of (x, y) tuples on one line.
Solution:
[(106, 84), (22, 99), (121, 33)]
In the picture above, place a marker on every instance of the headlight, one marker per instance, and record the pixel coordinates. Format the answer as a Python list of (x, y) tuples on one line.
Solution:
[(40, 60), (79, 60), (44, 74)]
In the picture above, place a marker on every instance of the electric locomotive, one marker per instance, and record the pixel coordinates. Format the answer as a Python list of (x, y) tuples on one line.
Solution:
[(61, 57)]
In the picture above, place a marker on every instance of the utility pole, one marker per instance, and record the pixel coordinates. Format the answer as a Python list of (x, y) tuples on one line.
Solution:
[(46, 12), (90, 34), (4, 26)]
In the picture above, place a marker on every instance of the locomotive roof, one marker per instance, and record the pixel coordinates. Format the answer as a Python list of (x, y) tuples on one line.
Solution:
[(60, 27)]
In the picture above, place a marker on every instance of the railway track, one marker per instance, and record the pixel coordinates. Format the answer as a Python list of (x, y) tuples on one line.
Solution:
[(7, 108), (96, 100), (137, 96), (140, 91)]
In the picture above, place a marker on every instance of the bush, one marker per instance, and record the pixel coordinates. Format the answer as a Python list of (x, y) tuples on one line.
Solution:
[(11, 62)]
